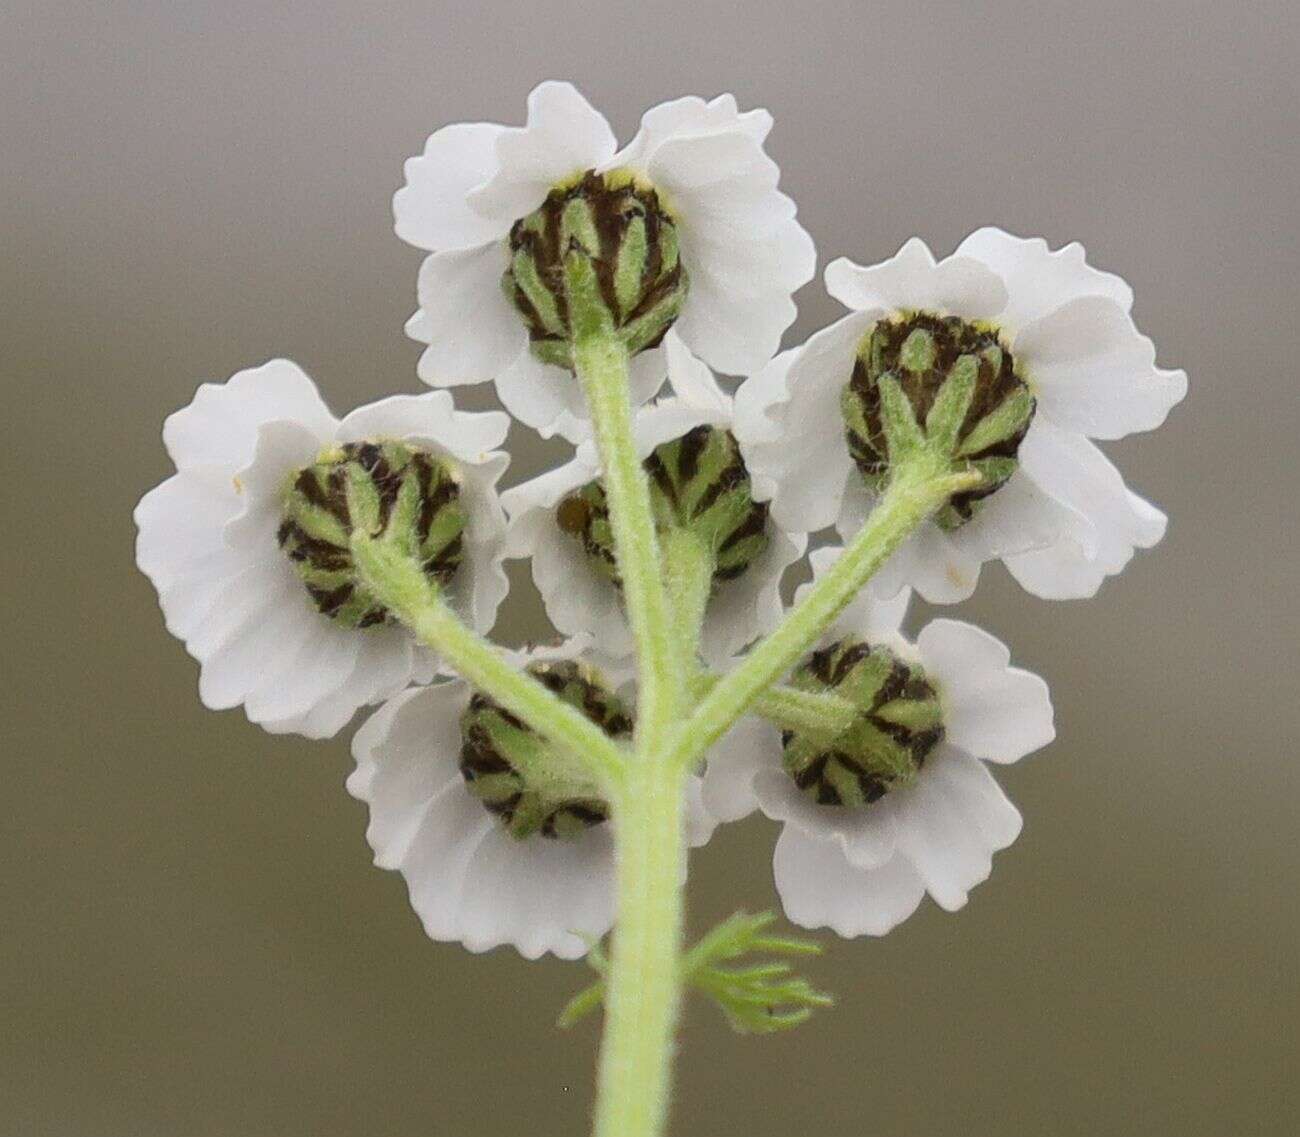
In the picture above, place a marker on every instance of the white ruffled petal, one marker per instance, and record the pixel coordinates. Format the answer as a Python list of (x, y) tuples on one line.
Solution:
[(941, 569), (1110, 521), (803, 460), (564, 135), (740, 244), (692, 381), (432, 209), (469, 880), (419, 733), (538, 896), (686, 116), (220, 425), (911, 279), (867, 616), (432, 419), (990, 709), (1038, 279), (180, 546), (471, 328), (1093, 371), (951, 822), (866, 836), (820, 889), (751, 745), (578, 600), (944, 565)]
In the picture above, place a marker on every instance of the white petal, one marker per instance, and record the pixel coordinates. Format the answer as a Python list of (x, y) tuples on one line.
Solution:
[(755, 397), (944, 565), (699, 820), (950, 824), (1094, 372), (1039, 280), (867, 616), (990, 709), (473, 331), (564, 135), (541, 395), (578, 600), (942, 570), (748, 747), (740, 244), (538, 895), (432, 210), (866, 836), (180, 545), (1110, 521), (820, 889), (912, 280), (803, 461), (467, 436), (691, 379), (219, 427), (685, 116), (406, 753)]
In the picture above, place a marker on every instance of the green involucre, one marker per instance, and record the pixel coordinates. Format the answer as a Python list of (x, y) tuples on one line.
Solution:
[(524, 780), (698, 483), (618, 225), (962, 397), (898, 723), (386, 490)]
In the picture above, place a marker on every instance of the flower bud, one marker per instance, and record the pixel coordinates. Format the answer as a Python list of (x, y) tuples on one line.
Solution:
[(944, 383), (607, 239), (387, 490), (898, 724), (698, 483), (518, 775)]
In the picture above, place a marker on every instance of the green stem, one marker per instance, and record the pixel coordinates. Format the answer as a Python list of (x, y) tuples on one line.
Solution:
[(601, 363), (688, 577), (915, 492), (396, 579), (644, 978), (809, 712)]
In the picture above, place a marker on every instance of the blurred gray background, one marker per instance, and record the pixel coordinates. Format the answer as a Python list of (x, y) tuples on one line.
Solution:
[(192, 938)]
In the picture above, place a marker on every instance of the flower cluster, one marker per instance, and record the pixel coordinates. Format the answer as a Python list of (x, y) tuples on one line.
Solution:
[(315, 566)]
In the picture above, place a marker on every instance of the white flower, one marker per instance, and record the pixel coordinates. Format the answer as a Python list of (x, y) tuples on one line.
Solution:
[(863, 870), (581, 600), (1065, 520), (739, 242), (209, 542), (469, 878)]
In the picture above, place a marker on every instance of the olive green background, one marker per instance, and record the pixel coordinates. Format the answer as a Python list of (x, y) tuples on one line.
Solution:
[(192, 939)]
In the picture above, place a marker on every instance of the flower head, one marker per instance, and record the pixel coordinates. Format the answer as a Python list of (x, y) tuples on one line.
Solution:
[(500, 838), (682, 228), (1012, 356), (698, 483), (248, 542), (900, 803)]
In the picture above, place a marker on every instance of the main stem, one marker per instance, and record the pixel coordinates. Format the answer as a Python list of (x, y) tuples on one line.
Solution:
[(643, 991), (644, 978)]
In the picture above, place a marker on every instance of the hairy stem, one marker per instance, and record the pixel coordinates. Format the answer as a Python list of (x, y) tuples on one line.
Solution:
[(601, 362), (644, 979), (916, 491), (397, 581), (809, 712), (688, 575)]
